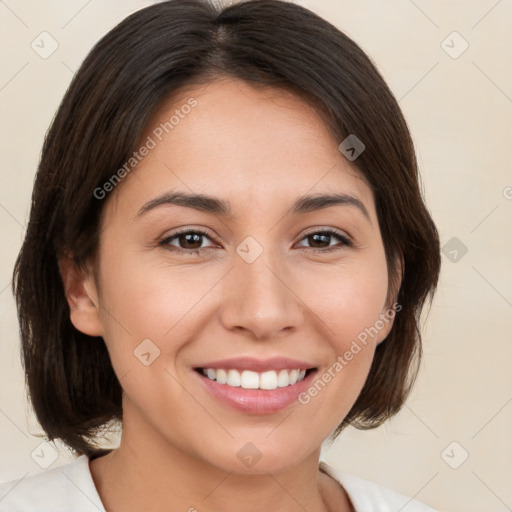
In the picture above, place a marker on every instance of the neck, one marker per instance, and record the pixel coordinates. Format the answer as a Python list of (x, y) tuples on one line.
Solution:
[(133, 481)]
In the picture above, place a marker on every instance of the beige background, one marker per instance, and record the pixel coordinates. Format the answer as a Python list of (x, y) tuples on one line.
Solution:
[(460, 114)]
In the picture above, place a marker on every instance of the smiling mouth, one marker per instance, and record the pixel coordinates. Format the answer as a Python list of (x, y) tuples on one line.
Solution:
[(248, 379)]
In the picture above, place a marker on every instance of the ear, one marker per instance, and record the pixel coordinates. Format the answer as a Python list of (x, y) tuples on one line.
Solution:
[(392, 307), (82, 297)]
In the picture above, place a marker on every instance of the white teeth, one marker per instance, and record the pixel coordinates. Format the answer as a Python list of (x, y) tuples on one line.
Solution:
[(248, 379), (220, 375), (233, 378), (268, 380), (283, 379)]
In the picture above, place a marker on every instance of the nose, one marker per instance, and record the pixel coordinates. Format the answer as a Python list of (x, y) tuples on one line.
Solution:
[(259, 298)]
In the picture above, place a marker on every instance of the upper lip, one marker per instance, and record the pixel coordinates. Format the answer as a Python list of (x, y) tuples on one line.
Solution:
[(258, 365)]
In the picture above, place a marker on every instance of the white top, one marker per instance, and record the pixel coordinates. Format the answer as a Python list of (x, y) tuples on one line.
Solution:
[(70, 488)]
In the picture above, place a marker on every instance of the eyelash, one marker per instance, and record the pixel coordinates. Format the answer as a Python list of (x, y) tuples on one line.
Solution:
[(346, 242)]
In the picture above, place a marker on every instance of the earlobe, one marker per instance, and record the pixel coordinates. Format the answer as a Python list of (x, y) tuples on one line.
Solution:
[(81, 295), (387, 324)]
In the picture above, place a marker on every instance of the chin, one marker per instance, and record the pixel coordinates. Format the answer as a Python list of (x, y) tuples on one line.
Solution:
[(261, 457)]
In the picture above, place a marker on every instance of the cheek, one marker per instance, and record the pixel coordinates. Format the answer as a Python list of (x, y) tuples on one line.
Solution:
[(153, 302), (347, 303), (347, 298)]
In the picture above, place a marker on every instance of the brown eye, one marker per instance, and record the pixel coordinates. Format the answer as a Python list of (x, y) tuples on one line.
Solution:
[(187, 241), (318, 239)]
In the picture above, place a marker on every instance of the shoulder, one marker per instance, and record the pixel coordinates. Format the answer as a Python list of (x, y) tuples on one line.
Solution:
[(368, 496), (65, 488)]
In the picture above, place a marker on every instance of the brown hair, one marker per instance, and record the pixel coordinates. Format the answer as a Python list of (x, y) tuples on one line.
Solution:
[(72, 385)]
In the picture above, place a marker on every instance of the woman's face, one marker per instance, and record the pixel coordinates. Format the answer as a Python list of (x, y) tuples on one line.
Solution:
[(254, 297)]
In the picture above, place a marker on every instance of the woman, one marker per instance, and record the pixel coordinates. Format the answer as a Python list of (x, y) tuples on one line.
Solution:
[(228, 252)]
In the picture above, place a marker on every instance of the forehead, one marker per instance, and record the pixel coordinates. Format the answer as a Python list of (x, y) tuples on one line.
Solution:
[(249, 145)]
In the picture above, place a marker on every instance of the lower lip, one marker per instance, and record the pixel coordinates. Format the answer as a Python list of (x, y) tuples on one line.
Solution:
[(256, 401)]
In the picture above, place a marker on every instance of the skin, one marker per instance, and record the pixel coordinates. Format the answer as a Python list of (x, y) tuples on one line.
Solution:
[(259, 149)]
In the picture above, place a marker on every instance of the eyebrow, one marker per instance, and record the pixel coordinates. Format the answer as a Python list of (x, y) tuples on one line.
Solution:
[(209, 204)]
